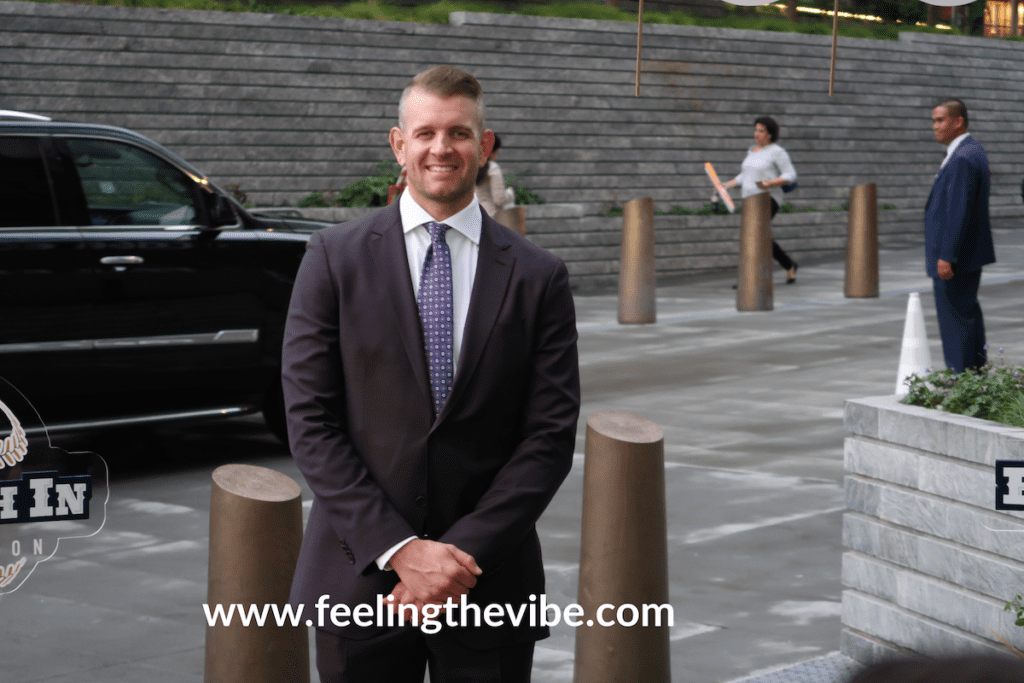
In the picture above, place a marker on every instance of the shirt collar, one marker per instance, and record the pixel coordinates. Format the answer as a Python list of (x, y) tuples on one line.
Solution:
[(468, 221), (956, 143)]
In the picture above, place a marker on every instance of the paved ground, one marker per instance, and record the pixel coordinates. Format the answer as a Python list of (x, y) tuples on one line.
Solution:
[(751, 407)]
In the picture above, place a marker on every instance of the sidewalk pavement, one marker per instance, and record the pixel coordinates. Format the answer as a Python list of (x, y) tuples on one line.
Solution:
[(751, 406)]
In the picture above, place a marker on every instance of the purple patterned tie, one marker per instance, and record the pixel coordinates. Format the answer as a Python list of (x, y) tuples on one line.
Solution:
[(435, 303)]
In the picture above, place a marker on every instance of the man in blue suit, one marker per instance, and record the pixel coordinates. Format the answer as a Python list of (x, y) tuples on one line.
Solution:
[(958, 238)]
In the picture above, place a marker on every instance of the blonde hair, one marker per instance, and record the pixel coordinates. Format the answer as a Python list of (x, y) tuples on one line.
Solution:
[(445, 81)]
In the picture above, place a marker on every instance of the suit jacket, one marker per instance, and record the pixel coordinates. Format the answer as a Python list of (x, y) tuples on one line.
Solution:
[(361, 427), (956, 223)]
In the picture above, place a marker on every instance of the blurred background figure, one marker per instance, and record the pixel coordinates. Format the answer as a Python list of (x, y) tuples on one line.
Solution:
[(490, 184), (399, 186), (767, 168)]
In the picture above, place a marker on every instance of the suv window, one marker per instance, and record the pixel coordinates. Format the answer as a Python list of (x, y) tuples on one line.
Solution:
[(25, 199), (125, 185)]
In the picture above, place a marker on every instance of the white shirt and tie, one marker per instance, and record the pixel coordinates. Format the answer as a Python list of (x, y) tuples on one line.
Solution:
[(952, 148), (463, 239)]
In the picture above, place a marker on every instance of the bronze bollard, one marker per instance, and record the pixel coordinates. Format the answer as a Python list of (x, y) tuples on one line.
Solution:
[(862, 242), (636, 267), (754, 285), (514, 218), (255, 535), (624, 554)]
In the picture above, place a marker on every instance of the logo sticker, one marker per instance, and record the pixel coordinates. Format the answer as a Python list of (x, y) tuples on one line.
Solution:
[(46, 493), (1009, 484)]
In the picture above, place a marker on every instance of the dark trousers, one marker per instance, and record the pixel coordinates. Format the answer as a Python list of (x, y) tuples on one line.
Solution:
[(777, 253), (402, 656), (960, 321)]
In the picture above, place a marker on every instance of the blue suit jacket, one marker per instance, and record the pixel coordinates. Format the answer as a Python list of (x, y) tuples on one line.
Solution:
[(956, 224)]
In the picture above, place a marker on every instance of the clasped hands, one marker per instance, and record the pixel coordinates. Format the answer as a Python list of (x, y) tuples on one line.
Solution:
[(431, 573)]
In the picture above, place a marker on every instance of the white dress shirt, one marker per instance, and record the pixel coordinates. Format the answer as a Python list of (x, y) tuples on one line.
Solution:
[(464, 243), (952, 148), (768, 163)]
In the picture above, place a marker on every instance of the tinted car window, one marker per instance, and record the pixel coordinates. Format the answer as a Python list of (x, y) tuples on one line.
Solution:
[(25, 199), (125, 185)]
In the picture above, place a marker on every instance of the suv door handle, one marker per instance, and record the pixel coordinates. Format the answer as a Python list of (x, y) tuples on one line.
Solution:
[(121, 260)]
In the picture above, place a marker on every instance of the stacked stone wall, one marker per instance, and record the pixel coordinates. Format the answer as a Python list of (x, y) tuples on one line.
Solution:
[(280, 105)]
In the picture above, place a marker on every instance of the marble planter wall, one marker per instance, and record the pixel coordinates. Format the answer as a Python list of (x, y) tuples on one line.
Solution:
[(924, 572)]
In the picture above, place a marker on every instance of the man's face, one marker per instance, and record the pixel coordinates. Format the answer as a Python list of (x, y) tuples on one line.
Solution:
[(945, 127), (442, 147)]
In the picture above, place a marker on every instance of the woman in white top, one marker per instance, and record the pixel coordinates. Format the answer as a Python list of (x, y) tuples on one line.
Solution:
[(490, 184), (766, 169)]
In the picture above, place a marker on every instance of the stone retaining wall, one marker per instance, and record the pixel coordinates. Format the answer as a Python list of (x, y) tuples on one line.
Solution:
[(282, 105), (924, 573)]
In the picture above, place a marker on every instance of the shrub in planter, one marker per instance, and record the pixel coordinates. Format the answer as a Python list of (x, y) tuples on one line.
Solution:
[(994, 392), (372, 190)]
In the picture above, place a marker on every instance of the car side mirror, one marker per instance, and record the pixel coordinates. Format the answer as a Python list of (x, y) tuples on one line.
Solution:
[(222, 213)]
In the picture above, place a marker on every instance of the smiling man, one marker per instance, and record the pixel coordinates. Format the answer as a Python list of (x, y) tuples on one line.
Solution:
[(958, 238), (432, 387)]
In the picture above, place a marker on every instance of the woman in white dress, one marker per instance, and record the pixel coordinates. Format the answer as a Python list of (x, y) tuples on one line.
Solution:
[(766, 169), (490, 184)]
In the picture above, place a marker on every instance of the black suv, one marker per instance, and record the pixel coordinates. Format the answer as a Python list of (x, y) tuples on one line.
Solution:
[(132, 289)]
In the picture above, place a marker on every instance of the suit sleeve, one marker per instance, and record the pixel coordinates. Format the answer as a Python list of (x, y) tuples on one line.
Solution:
[(542, 458), (314, 392), (960, 203)]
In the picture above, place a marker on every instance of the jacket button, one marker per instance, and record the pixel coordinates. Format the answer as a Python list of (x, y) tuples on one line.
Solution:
[(421, 501)]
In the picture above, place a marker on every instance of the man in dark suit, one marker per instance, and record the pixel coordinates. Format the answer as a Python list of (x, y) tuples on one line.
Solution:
[(958, 238), (432, 388)]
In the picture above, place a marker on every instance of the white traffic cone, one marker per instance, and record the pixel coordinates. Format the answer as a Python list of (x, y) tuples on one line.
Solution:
[(915, 358)]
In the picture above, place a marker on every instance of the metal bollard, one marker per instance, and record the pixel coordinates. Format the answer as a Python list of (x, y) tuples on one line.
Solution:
[(754, 283), (624, 553), (255, 535), (514, 218), (862, 243), (636, 267)]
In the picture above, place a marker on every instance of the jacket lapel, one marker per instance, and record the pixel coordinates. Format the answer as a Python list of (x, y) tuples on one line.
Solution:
[(960, 149), (493, 272), (387, 249)]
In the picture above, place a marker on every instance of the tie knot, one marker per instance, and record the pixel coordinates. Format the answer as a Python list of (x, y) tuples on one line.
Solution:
[(437, 231)]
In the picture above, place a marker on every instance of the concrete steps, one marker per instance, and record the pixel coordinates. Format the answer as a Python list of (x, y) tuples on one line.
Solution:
[(283, 105)]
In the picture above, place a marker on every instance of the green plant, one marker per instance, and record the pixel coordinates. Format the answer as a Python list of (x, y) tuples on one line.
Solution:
[(713, 209), (371, 190), (888, 207), (845, 206), (314, 199), (678, 210), (787, 208), (807, 209), (524, 195), (613, 212), (766, 18), (1016, 605), (992, 392)]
